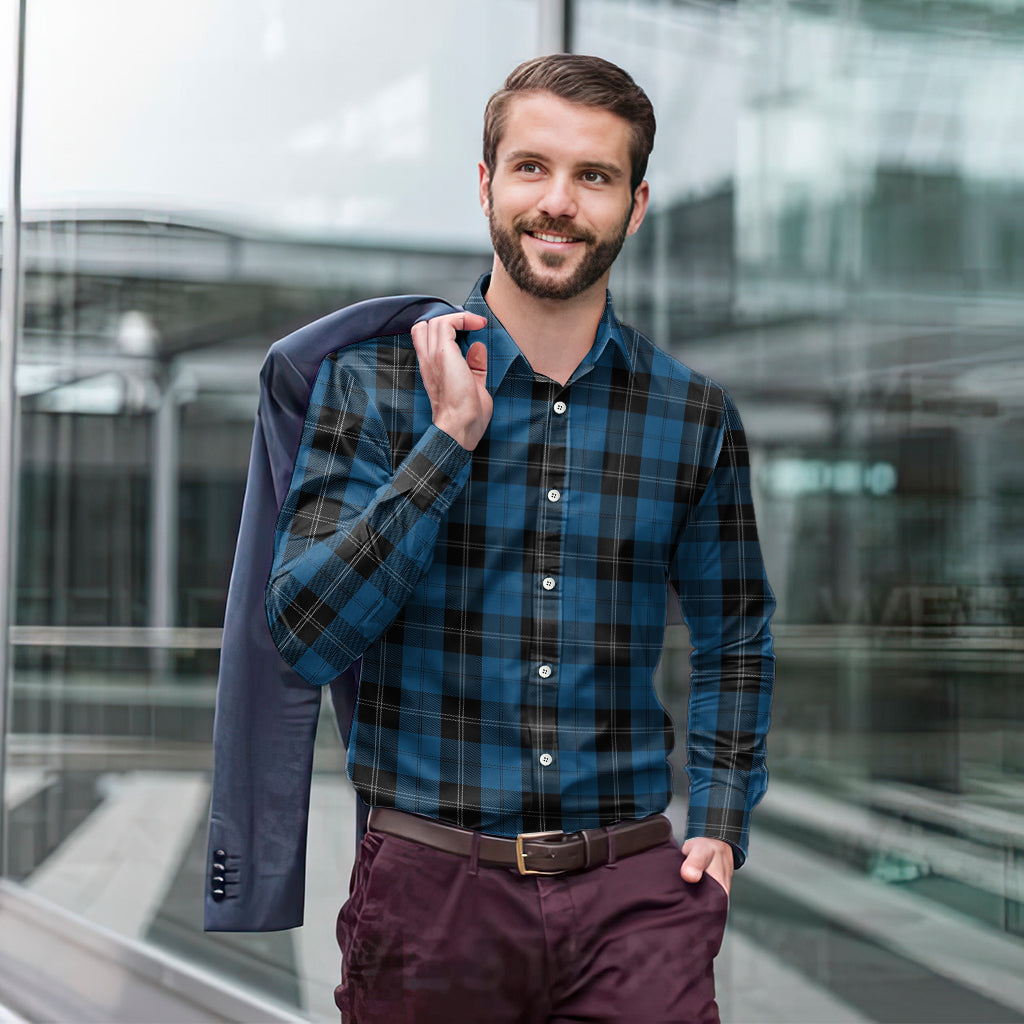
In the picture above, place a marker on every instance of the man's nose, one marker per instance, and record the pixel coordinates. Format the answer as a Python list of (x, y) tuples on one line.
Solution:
[(559, 199)]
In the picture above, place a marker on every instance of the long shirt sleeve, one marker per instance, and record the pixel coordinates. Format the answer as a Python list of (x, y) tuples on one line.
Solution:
[(727, 603), (354, 535)]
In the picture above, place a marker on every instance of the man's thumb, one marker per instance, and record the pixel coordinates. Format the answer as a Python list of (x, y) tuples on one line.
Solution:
[(477, 357)]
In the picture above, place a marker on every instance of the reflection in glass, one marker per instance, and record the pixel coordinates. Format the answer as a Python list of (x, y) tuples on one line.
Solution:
[(837, 236), (200, 180)]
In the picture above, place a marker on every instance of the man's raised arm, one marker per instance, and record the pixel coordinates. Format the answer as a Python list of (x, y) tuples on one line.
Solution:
[(354, 537)]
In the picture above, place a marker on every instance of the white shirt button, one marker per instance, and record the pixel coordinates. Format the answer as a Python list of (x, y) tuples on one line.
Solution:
[(546, 759), (559, 408), (548, 583), (544, 671), (553, 495)]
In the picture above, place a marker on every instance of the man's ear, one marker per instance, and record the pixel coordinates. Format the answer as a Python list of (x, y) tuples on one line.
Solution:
[(641, 197), (485, 185)]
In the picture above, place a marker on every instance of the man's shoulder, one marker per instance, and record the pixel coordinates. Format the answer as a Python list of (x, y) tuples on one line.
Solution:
[(668, 373), (378, 353), (381, 370)]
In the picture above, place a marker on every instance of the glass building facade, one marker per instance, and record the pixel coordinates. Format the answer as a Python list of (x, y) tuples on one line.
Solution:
[(836, 234)]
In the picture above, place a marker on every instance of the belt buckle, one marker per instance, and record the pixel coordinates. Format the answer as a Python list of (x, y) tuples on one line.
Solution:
[(521, 855)]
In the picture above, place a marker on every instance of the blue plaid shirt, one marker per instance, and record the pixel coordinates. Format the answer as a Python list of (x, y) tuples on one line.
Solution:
[(509, 603)]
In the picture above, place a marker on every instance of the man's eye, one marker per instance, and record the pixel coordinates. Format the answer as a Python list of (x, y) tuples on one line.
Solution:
[(593, 177), (529, 168)]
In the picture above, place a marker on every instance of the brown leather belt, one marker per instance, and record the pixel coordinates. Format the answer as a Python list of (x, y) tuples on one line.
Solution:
[(531, 853)]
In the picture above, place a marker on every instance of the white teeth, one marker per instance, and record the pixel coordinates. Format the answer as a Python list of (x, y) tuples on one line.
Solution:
[(551, 238)]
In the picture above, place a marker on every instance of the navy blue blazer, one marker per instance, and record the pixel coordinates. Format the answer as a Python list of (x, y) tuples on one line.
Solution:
[(266, 714)]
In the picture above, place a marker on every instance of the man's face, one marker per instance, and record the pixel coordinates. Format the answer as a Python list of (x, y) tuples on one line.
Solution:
[(559, 202)]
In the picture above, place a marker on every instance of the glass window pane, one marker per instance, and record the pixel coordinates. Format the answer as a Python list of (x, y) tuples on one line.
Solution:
[(357, 120), (836, 235), (200, 179)]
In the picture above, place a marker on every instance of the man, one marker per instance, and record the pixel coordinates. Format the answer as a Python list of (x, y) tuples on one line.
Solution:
[(490, 513)]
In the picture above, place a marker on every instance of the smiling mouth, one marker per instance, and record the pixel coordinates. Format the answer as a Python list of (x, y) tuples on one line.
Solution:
[(544, 236)]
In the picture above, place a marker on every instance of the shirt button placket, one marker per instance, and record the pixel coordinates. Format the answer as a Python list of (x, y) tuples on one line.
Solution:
[(547, 597)]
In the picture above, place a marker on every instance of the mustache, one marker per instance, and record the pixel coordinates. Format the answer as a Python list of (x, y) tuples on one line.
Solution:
[(552, 226)]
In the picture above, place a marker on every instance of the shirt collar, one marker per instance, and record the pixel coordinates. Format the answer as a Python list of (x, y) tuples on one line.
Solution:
[(502, 351)]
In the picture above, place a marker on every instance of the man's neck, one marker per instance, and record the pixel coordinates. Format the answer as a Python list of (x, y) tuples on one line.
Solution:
[(553, 334)]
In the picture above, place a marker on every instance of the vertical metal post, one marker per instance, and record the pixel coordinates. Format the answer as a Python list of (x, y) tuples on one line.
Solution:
[(163, 548), (664, 290), (10, 318), (554, 26)]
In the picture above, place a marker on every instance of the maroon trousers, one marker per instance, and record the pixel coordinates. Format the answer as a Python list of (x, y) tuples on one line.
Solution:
[(432, 938)]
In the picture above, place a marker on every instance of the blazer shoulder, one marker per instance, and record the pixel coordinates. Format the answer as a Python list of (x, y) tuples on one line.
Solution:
[(307, 347)]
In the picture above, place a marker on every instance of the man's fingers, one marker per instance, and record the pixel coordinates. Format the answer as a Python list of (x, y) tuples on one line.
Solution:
[(432, 338), (473, 321), (442, 329), (445, 326)]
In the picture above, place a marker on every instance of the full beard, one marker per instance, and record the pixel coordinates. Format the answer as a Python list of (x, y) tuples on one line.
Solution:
[(599, 256)]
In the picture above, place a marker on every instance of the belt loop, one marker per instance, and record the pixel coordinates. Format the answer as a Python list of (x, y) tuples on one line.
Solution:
[(611, 847), (585, 835), (474, 853)]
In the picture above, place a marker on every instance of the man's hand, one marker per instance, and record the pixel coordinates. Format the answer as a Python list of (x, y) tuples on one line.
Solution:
[(711, 855), (458, 396)]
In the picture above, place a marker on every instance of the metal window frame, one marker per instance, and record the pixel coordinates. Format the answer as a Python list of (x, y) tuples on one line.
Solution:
[(10, 325), (555, 19)]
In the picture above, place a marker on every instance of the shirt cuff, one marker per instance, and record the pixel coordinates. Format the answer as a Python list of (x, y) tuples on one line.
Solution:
[(434, 472), (717, 811)]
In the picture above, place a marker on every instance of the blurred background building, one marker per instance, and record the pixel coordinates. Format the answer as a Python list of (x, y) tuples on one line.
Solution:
[(836, 234)]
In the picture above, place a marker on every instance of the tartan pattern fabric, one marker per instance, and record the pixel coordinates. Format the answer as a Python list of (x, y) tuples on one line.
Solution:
[(509, 604)]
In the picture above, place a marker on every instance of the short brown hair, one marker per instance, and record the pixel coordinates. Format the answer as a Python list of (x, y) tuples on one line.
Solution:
[(577, 78)]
